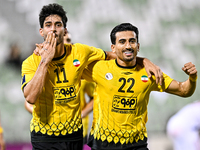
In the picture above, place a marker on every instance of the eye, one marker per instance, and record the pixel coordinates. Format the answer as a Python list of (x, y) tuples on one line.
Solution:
[(122, 41), (132, 41), (48, 25), (59, 24)]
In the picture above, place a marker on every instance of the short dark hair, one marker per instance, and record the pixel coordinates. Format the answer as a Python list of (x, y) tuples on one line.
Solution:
[(52, 9), (123, 27)]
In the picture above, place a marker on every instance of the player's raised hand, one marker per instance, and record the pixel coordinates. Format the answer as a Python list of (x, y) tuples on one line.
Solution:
[(190, 69), (47, 49)]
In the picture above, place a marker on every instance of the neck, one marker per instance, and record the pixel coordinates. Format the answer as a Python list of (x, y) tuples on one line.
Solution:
[(59, 50), (126, 63)]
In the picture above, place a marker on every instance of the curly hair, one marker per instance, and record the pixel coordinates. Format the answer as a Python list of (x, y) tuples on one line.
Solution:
[(52, 9)]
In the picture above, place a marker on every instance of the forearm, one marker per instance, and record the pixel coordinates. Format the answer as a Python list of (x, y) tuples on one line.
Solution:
[(87, 109), (188, 88), (34, 88), (110, 55), (183, 89)]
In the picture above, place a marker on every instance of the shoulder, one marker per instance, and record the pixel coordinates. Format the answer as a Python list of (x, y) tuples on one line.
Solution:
[(103, 65), (32, 61), (32, 58)]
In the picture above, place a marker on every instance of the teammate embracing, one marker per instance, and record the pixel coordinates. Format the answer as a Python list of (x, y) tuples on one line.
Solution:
[(122, 94), (51, 82)]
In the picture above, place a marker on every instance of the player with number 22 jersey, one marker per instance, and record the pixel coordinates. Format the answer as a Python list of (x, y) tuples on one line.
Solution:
[(120, 104)]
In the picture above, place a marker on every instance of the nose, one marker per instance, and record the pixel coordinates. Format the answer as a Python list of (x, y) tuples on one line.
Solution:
[(128, 45), (53, 28)]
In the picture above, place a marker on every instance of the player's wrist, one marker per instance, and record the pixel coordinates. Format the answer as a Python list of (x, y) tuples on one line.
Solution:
[(193, 79)]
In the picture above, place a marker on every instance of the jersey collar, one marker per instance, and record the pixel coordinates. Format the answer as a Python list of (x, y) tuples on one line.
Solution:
[(128, 67)]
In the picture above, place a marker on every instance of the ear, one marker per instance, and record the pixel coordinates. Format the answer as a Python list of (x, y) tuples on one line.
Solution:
[(138, 47), (41, 32), (65, 31), (113, 48)]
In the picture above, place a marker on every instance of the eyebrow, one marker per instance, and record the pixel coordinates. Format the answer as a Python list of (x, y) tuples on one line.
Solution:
[(51, 22), (128, 39)]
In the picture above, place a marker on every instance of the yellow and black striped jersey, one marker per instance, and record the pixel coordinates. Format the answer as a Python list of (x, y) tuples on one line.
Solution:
[(86, 88), (57, 110), (120, 102)]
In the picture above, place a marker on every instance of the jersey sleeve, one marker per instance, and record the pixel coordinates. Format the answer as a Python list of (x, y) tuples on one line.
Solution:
[(89, 73), (29, 68), (94, 53), (165, 85)]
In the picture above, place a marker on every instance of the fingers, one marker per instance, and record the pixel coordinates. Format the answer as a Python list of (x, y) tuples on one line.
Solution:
[(49, 42), (157, 73), (160, 75), (189, 68), (54, 41)]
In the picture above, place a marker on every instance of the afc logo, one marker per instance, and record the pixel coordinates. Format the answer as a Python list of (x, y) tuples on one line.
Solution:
[(124, 103)]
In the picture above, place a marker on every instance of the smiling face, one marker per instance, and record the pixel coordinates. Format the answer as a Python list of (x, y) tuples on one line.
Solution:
[(53, 23), (126, 48)]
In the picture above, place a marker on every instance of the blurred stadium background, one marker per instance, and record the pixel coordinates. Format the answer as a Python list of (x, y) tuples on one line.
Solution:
[(169, 36)]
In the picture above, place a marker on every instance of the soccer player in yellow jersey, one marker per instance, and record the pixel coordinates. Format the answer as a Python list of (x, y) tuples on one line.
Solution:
[(51, 81), (122, 94)]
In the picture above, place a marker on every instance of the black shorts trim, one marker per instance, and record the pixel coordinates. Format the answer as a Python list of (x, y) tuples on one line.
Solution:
[(104, 145), (68, 145), (39, 137)]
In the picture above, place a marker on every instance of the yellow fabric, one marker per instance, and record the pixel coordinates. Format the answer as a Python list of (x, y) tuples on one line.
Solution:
[(57, 110), (120, 102), (1, 130), (88, 88)]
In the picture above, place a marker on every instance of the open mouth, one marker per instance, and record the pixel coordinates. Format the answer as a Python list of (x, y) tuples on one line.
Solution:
[(128, 53)]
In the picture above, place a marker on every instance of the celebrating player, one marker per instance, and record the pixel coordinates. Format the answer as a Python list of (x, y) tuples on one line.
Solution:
[(122, 94), (51, 82)]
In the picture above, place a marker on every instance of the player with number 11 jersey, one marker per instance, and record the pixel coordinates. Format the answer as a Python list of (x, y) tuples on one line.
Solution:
[(57, 111)]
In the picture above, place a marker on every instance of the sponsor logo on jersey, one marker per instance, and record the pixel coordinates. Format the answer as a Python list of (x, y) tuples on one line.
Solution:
[(64, 94), (76, 62), (144, 78), (109, 76), (124, 103), (127, 73)]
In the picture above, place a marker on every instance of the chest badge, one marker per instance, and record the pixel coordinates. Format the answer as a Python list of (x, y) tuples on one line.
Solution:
[(109, 76), (144, 78), (76, 62)]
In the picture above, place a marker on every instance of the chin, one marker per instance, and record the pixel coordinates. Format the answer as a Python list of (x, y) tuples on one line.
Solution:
[(129, 59)]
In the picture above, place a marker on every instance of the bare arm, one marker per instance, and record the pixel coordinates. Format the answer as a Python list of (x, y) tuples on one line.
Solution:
[(29, 107), (34, 88), (186, 88), (88, 108)]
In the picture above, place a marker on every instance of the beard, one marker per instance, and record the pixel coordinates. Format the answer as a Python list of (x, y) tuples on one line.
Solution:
[(129, 59)]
